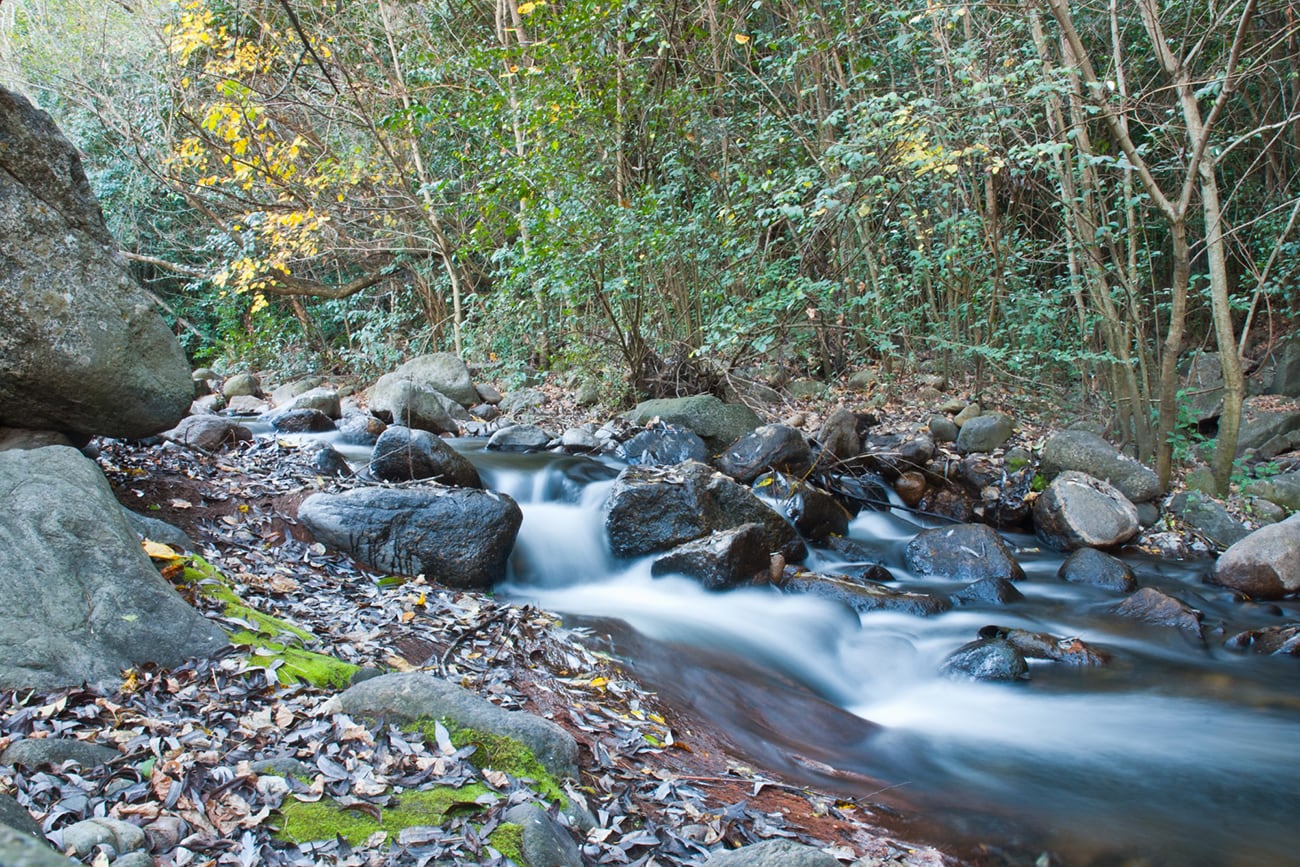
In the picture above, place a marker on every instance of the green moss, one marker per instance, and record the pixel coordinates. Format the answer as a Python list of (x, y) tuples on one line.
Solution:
[(500, 753), (304, 821), (278, 638), (508, 839)]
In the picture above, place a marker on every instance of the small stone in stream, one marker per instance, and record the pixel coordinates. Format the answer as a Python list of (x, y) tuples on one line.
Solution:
[(987, 591), (815, 514), (723, 559), (910, 487), (360, 429), (519, 438), (44, 752), (986, 659), (768, 447), (1151, 606), (663, 444), (324, 399), (209, 432), (863, 596), (545, 841), (963, 552), (326, 460), (1099, 569), (1043, 645), (403, 454), (1273, 640), (772, 853), (301, 420), (82, 838)]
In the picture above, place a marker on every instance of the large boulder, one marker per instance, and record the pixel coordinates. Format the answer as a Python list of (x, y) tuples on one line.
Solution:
[(82, 348), (963, 552), (444, 372), (723, 559), (718, 424), (1086, 452), (1284, 490), (1262, 426), (460, 537), (406, 402), (1265, 564), (402, 454), (1280, 371), (653, 509), (82, 601), (769, 447), (984, 433), (1078, 511)]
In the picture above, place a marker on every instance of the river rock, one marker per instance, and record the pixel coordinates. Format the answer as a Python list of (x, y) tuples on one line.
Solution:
[(987, 591), (718, 424), (1282, 490), (325, 459), (519, 438), (209, 432), (984, 433), (300, 420), (418, 695), (321, 398), (815, 514), (653, 509), (460, 537), (1207, 517), (1088, 453), (245, 405), (14, 816), (864, 595), (1099, 569), (18, 849), (444, 372), (580, 440), (963, 552), (283, 394), (1044, 645), (720, 560), (910, 487), (360, 429), (1272, 640), (1265, 564), (208, 404), (772, 853), (411, 404), (1079, 511), (545, 841), (767, 447), (53, 752), (82, 837), (1152, 606), (839, 435), (241, 385), (402, 454), (82, 348), (82, 601), (943, 429), (664, 444), (986, 659)]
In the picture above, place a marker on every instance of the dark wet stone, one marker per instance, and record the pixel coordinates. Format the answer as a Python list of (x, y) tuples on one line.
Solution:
[(360, 429), (723, 559), (403, 454), (986, 659), (866, 595), (964, 552), (1151, 606), (300, 421), (663, 445), (1099, 569), (1044, 645), (987, 591), (769, 447), (815, 514), (1273, 640)]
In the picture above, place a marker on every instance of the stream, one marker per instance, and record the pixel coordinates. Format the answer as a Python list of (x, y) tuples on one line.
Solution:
[(1178, 752)]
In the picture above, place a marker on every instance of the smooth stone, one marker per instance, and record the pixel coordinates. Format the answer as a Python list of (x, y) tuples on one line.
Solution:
[(82, 837), (962, 552), (987, 591), (487, 394), (43, 752), (986, 659), (324, 399), (209, 432), (242, 384), (664, 444), (519, 438), (984, 433), (300, 421), (1265, 564), (943, 429), (21, 850), (1078, 511), (1088, 453), (718, 424), (1098, 569), (1149, 605)]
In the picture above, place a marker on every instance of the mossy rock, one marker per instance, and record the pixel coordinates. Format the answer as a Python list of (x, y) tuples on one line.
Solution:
[(508, 839), (307, 821), (266, 635), (500, 753)]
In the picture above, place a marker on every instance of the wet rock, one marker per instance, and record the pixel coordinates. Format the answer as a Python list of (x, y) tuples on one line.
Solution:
[(895, 454), (984, 433), (718, 424), (943, 429), (1207, 517), (1079, 511), (1044, 645), (459, 537), (519, 438), (420, 695), (45, 752), (987, 591), (403, 454), (723, 559), (1273, 640), (1088, 453), (986, 659), (545, 842), (772, 853), (963, 552), (664, 444), (300, 421), (412, 404), (360, 429), (209, 432), (769, 447), (1151, 606), (1099, 569), (81, 838), (950, 502), (980, 471), (12, 815), (815, 514), (1281, 490), (857, 491), (579, 440), (910, 487), (839, 436), (326, 460), (864, 596), (241, 385), (652, 509), (1265, 564), (326, 400)]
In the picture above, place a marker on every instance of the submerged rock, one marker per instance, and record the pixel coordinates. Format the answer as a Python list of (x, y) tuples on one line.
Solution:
[(986, 659), (1151, 606), (1273, 640)]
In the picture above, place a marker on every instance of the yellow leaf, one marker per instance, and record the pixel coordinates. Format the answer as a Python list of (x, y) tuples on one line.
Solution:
[(407, 616), (740, 38), (398, 664), (159, 551)]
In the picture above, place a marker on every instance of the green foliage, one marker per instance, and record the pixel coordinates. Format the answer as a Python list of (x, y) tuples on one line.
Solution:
[(326, 819), (501, 753)]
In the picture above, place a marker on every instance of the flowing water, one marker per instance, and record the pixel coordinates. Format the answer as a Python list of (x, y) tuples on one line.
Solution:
[(1178, 752)]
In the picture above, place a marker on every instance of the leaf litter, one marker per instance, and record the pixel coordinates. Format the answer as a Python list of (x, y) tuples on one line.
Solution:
[(210, 750)]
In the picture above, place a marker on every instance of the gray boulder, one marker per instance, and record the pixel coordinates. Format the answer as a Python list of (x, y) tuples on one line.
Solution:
[(1265, 564), (519, 438), (943, 429), (772, 853), (285, 393), (984, 433), (14, 816), (1282, 490), (149, 527), (1078, 511), (718, 424), (18, 849), (768, 447), (360, 429), (82, 348), (1207, 517), (1260, 426), (413, 404), (963, 552), (580, 440), (402, 454), (300, 420), (723, 559), (459, 537), (82, 601), (1088, 453), (209, 432), (419, 695), (444, 372), (653, 509), (664, 444), (1090, 566), (986, 659), (82, 838), (321, 398), (45, 752), (839, 436), (242, 385)]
